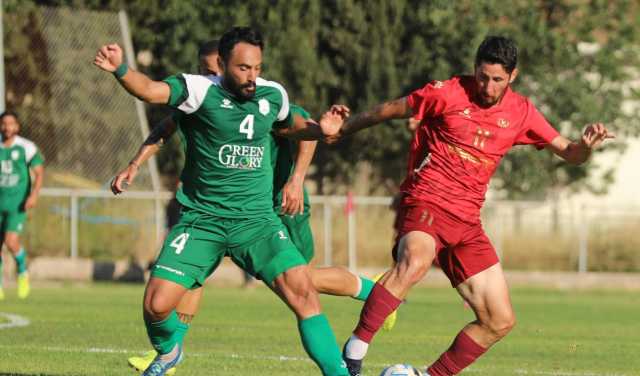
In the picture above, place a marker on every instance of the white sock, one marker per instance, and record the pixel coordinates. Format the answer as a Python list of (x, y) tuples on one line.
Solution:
[(356, 348), (359, 288)]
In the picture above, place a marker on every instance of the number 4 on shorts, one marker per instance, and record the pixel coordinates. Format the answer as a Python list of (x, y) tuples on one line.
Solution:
[(179, 242)]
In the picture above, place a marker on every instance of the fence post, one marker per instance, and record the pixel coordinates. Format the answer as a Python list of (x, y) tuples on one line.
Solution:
[(351, 235), (328, 252), (74, 225), (583, 240)]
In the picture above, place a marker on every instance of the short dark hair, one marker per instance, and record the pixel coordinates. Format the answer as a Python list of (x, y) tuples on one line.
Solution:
[(9, 113), (207, 48), (498, 50), (237, 35)]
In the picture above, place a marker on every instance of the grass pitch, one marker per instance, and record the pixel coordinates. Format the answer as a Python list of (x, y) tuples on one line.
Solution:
[(92, 329)]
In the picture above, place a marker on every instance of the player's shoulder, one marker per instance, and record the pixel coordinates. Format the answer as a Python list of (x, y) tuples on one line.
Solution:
[(200, 81), (517, 101), (270, 87), (25, 143), (452, 85)]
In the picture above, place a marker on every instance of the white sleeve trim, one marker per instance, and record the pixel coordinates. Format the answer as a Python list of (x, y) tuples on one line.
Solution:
[(284, 110), (197, 87), (30, 149)]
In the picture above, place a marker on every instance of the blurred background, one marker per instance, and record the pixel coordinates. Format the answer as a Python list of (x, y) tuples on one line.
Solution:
[(578, 62)]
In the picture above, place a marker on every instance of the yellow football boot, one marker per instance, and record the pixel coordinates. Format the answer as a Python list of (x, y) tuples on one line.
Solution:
[(141, 363), (23, 285)]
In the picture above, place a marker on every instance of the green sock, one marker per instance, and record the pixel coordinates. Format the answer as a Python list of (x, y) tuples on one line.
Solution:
[(321, 345), (181, 331), (21, 261), (163, 334), (365, 289)]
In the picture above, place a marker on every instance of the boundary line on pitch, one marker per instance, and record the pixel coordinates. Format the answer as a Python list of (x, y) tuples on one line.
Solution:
[(284, 358), (15, 321)]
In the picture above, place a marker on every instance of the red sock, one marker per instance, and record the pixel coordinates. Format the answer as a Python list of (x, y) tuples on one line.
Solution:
[(463, 351), (378, 306)]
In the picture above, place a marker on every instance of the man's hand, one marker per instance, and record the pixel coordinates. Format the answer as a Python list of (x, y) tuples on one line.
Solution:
[(108, 57), (594, 135), (125, 178), (292, 197), (332, 121), (31, 201)]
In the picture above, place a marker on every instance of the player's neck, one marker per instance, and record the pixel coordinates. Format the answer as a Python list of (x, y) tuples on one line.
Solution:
[(7, 142)]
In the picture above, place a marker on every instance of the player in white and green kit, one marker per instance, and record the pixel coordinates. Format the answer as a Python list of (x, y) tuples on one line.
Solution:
[(19, 159), (226, 194)]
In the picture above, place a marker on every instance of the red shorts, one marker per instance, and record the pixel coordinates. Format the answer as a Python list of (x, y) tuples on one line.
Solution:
[(462, 248)]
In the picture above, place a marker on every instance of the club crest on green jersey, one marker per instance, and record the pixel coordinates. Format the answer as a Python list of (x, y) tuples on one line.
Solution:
[(263, 106)]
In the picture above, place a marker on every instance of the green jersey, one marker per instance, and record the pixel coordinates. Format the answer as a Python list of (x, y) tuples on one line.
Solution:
[(227, 169), (282, 152), (15, 181)]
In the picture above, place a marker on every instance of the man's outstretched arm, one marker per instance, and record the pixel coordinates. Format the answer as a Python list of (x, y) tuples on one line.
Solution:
[(394, 109), (579, 152), (158, 136), (109, 58)]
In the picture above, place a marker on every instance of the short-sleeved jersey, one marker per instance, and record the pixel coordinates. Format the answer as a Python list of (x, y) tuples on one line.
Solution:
[(227, 169), (15, 162), (459, 144), (282, 154)]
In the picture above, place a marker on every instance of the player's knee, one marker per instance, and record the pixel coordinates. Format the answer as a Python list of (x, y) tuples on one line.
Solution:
[(416, 263), (158, 306), (297, 289), (501, 326)]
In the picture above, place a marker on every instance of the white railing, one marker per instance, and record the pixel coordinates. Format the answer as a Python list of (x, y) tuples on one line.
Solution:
[(503, 220)]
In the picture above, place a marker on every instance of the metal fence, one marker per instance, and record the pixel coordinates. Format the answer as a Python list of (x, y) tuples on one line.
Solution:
[(526, 235)]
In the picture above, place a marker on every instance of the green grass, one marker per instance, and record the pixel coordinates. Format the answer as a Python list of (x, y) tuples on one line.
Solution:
[(92, 329)]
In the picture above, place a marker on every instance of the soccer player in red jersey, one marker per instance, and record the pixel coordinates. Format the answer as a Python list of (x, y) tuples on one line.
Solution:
[(467, 124)]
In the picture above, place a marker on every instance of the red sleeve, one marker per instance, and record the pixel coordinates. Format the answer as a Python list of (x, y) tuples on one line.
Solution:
[(536, 129), (429, 101)]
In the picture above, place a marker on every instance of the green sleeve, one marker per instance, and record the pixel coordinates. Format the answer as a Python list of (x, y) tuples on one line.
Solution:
[(293, 110), (179, 91), (36, 160)]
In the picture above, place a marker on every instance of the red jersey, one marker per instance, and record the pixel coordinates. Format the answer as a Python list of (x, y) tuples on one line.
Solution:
[(458, 145)]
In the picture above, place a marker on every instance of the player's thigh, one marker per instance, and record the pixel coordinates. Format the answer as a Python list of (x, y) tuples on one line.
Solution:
[(190, 253), (299, 228), (269, 254), (14, 223), (487, 293)]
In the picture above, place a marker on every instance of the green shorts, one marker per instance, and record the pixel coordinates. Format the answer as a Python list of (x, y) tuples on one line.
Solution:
[(196, 245), (301, 235), (12, 221)]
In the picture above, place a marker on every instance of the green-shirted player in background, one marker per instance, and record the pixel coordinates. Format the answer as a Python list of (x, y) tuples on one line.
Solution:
[(226, 195), (21, 174)]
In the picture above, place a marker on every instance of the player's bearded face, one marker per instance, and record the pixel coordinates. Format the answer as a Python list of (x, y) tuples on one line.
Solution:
[(242, 70), (492, 82), (9, 126)]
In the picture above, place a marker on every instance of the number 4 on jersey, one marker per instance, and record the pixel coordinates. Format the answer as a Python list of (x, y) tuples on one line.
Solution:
[(179, 242), (246, 126)]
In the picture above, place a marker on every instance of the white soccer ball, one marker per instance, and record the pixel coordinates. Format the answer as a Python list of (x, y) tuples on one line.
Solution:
[(401, 370)]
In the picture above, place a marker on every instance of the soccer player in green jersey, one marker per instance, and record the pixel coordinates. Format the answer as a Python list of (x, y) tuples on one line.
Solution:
[(226, 195), (19, 160), (290, 202)]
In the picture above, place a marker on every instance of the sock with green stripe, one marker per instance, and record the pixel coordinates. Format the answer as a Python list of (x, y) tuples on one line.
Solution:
[(366, 285), (164, 334), (21, 261), (321, 345)]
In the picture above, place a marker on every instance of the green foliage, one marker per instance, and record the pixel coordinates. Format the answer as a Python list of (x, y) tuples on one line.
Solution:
[(363, 52)]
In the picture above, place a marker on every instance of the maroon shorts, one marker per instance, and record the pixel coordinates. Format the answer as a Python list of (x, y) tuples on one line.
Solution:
[(462, 248)]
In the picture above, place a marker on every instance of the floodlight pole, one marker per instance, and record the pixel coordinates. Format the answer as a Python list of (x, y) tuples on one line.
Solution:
[(2, 90)]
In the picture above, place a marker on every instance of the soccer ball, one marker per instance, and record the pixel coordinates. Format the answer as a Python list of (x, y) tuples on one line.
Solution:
[(401, 370)]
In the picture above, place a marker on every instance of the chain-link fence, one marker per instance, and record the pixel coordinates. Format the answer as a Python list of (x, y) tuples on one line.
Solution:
[(85, 125)]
